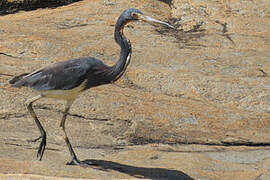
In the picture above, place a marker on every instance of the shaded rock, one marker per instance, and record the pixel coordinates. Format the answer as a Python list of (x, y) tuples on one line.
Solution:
[(204, 83), (12, 6)]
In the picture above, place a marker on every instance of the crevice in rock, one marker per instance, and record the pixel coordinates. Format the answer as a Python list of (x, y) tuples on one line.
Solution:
[(29, 147), (253, 144), (6, 116), (143, 141), (9, 55), (107, 147), (74, 115)]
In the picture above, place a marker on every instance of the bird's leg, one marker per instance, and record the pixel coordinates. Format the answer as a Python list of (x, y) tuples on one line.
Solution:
[(74, 159), (42, 131)]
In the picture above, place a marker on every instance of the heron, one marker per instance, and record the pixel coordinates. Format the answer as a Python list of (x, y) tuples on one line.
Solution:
[(67, 79)]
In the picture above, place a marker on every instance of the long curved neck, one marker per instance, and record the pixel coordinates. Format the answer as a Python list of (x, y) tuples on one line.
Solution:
[(119, 68)]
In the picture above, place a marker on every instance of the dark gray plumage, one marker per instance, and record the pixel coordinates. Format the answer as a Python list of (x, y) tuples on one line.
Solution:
[(66, 75), (67, 79)]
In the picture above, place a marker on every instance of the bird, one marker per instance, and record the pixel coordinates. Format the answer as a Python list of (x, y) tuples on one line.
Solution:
[(66, 80)]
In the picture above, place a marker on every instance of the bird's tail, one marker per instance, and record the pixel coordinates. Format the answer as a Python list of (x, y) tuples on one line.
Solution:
[(14, 81)]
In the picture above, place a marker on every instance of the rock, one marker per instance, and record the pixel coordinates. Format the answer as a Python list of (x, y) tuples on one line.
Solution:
[(193, 103)]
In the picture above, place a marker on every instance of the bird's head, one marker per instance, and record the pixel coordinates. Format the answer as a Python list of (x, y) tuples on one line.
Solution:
[(136, 15)]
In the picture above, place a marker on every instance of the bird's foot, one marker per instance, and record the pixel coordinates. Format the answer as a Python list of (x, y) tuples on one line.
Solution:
[(41, 148), (34, 140), (75, 161)]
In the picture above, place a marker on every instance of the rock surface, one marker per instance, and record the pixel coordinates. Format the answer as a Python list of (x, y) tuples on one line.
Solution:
[(193, 104)]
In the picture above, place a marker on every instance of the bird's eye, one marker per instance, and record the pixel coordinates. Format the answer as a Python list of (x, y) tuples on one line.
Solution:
[(134, 15)]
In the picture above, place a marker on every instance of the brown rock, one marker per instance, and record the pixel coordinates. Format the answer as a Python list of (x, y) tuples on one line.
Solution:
[(204, 84)]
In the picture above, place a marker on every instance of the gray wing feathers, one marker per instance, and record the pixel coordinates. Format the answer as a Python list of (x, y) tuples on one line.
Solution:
[(64, 75)]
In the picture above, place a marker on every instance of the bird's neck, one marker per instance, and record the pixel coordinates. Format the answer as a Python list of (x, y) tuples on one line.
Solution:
[(119, 68)]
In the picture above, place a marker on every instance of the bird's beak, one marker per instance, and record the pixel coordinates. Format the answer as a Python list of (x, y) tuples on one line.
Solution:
[(152, 20)]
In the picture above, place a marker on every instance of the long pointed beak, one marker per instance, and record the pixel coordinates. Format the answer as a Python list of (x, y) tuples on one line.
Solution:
[(152, 20)]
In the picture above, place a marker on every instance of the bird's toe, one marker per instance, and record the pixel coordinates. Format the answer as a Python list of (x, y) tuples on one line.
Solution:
[(34, 140), (41, 148), (80, 163)]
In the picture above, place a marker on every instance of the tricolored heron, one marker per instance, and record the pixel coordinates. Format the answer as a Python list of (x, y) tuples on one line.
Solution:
[(66, 80)]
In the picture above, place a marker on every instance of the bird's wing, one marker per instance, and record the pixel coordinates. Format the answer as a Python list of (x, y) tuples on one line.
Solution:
[(64, 75)]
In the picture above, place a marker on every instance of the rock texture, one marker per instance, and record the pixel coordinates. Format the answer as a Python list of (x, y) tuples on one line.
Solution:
[(193, 104)]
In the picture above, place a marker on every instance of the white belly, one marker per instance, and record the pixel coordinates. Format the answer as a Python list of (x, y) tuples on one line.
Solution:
[(69, 94)]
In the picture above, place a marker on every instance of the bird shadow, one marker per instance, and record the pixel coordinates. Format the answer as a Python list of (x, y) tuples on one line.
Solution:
[(139, 172)]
